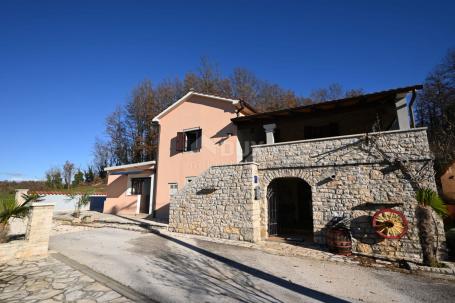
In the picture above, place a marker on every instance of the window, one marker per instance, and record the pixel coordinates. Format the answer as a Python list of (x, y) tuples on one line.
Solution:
[(173, 188), (137, 186), (189, 179), (189, 140)]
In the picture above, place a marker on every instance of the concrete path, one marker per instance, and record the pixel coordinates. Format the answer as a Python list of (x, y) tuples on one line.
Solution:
[(178, 269)]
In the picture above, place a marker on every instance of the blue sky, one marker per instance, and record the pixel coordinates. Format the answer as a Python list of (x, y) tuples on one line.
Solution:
[(65, 65)]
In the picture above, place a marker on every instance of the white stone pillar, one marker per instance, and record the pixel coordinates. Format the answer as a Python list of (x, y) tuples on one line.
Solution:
[(402, 113), (39, 228), (19, 193), (269, 137)]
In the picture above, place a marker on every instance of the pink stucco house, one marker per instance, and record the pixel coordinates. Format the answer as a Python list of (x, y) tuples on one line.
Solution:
[(224, 170), (196, 132), (199, 131)]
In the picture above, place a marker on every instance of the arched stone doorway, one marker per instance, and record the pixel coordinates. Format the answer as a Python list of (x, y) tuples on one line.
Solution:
[(290, 210)]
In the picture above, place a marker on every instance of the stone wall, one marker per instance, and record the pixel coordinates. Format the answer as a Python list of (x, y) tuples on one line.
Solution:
[(219, 203), (354, 176), (36, 238)]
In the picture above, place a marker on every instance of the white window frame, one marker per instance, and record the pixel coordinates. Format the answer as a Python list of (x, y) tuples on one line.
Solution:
[(152, 185), (171, 189)]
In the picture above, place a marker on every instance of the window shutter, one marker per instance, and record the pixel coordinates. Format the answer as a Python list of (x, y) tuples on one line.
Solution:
[(180, 142)]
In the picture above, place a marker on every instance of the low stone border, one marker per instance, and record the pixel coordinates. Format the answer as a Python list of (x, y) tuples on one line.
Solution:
[(124, 226), (98, 221), (449, 270)]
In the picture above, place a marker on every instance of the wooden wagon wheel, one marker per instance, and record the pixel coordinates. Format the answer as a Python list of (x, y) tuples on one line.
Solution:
[(390, 224)]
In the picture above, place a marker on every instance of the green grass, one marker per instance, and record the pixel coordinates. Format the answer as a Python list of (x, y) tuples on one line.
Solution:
[(6, 196)]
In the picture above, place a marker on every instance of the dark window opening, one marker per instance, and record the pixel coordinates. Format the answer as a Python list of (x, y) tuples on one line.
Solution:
[(290, 208), (189, 140), (137, 186), (314, 132), (277, 135), (193, 140)]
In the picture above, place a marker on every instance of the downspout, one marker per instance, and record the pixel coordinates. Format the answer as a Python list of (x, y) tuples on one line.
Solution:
[(155, 178), (237, 113), (411, 108)]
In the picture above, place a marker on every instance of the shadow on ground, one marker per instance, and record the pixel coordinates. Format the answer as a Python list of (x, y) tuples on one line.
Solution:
[(221, 276)]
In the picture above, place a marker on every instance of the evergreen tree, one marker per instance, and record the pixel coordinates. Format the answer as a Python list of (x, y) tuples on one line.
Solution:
[(78, 178)]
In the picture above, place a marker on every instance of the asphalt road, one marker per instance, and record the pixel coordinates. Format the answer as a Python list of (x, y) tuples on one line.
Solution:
[(170, 269)]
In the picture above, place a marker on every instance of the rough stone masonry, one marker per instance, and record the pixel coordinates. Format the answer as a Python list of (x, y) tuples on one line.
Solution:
[(371, 171), (219, 203), (36, 240)]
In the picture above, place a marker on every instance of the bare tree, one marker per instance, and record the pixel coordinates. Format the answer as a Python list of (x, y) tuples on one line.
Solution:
[(68, 172), (132, 137), (102, 157), (334, 91), (116, 131), (245, 85), (354, 92), (273, 97), (436, 110), (139, 115), (54, 177)]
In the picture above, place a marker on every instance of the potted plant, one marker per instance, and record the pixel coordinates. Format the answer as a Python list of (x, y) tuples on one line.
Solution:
[(10, 208), (429, 200)]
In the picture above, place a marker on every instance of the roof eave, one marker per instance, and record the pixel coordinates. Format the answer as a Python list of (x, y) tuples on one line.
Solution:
[(126, 166), (270, 114)]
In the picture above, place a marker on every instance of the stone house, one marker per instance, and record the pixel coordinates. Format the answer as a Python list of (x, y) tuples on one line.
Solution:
[(224, 170)]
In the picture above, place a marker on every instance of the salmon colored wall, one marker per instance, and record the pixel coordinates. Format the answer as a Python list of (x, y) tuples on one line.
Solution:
[(448, 182), (448, 189), (214, 118), (117, 201)]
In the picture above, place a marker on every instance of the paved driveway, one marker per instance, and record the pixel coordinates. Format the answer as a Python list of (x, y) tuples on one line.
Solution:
[(174, 269)]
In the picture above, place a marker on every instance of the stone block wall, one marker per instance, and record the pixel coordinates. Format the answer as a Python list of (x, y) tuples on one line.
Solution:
[(371, 172), (219, 203), (36, 238)]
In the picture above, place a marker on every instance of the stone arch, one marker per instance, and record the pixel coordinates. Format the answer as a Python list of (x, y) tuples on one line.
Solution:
[(268, 176)]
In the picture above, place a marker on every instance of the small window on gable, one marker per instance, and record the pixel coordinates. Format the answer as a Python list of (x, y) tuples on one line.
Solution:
[(173, 188), (190, 140)]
